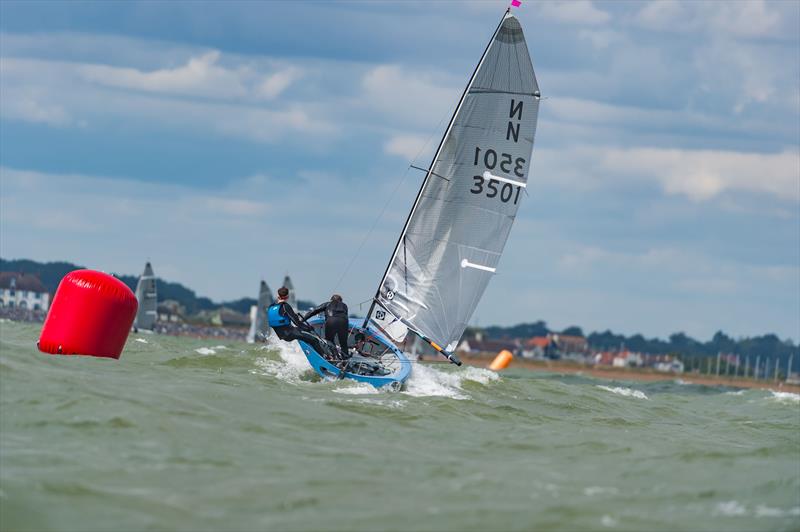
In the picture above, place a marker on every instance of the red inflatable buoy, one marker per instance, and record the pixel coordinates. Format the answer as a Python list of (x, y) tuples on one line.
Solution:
[(91, 314)]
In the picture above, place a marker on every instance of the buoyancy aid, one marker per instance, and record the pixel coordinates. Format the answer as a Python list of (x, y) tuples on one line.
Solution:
[(275, 318)]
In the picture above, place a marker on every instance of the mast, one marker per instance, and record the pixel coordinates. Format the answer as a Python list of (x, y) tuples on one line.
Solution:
[(425, 181)]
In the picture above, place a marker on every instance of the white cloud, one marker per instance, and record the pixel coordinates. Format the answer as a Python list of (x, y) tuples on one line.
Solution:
[(744, 18), (748, 74), (236, 207), (684, 270), (704, 174), (202, 75), (409, 147), (29, 108), (574, 12), (278, 82), (70, 94), (700, 175), (601, 39), (409, 96)]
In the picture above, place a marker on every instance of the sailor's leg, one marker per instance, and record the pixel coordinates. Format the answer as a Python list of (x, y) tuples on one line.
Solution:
[(337, 328), (330, 335), (342, 335), (330, 332), (315, 342)]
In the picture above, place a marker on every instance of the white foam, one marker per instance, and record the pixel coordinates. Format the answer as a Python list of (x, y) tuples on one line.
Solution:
[(292, 365), (205, 351), (141, 340), (730, 508), (608, 521), (737, 392), (591, 491), (785, 397), (356, 388), (627, 392), (766, 511), (427, 381), (220, 347)]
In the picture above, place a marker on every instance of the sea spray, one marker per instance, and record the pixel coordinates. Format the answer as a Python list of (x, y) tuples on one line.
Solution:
[(785, 397), (292, 363)]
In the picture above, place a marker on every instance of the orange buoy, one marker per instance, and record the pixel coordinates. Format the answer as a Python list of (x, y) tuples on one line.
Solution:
[(502, 360), (91, 314)]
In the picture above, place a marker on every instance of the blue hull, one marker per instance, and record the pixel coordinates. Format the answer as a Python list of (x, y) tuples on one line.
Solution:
[(402, 365)]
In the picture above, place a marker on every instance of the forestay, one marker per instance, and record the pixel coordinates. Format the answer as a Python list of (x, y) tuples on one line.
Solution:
[(460, 222)]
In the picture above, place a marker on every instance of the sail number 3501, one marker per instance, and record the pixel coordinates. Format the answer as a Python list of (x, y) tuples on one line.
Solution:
[(490, 160)]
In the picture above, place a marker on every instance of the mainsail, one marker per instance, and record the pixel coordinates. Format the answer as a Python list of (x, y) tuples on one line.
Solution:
[(259, 329), (148, 299), (458, 227)]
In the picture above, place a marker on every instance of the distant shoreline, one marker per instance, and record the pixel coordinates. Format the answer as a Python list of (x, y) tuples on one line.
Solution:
[(637, 374)]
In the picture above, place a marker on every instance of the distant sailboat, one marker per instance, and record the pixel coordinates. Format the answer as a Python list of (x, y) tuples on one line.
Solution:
[(259, 328), (148, 300), (287, 282), (454, 236)]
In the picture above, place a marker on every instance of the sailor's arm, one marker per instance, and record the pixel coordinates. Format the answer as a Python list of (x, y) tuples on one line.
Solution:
[(315, 311), (292, 315)]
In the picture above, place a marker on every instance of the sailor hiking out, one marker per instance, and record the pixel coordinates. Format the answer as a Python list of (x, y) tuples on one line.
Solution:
[(336, 322), (288, 326)]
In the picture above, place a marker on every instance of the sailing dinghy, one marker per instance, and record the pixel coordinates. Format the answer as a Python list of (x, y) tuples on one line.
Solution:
[(147, 296), (454, 236)]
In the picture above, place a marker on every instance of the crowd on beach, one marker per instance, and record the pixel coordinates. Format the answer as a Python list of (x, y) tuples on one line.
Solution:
[(22, 314)]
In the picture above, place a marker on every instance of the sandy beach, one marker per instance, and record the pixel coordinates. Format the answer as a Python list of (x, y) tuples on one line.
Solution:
[(637, 374)]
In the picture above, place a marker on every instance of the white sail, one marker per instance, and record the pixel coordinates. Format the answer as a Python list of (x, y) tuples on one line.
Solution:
[(287, 282), (148, 300), (259, 328), (458, 227)]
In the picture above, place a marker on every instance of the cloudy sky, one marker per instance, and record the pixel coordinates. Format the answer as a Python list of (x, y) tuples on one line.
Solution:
[(230, 142)]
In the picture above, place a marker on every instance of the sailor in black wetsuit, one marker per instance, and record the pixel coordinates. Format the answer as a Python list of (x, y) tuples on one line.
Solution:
[(288, 325), (336, 323)]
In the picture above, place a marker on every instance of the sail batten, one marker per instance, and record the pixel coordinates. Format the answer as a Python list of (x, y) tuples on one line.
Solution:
[(453, 239)]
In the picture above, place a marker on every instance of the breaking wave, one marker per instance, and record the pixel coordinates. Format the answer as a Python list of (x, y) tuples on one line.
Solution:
[(427, 381), (292, 365), (785, 397), (627, 392)]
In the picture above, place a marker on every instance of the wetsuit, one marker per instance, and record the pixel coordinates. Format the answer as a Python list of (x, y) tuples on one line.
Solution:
[(290, 327), (336, 322)]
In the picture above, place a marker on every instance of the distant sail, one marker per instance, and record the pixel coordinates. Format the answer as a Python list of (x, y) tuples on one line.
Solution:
[(259, 328), (458, 227), (287, 282), (148, 300)]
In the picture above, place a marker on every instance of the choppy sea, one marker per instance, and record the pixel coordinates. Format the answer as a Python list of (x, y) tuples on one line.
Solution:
[(189, 434)]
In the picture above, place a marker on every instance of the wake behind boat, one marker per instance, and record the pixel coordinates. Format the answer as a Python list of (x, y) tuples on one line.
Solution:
[(451, 243)]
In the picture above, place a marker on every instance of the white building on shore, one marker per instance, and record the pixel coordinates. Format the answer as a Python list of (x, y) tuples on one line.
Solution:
[(24, 291)]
